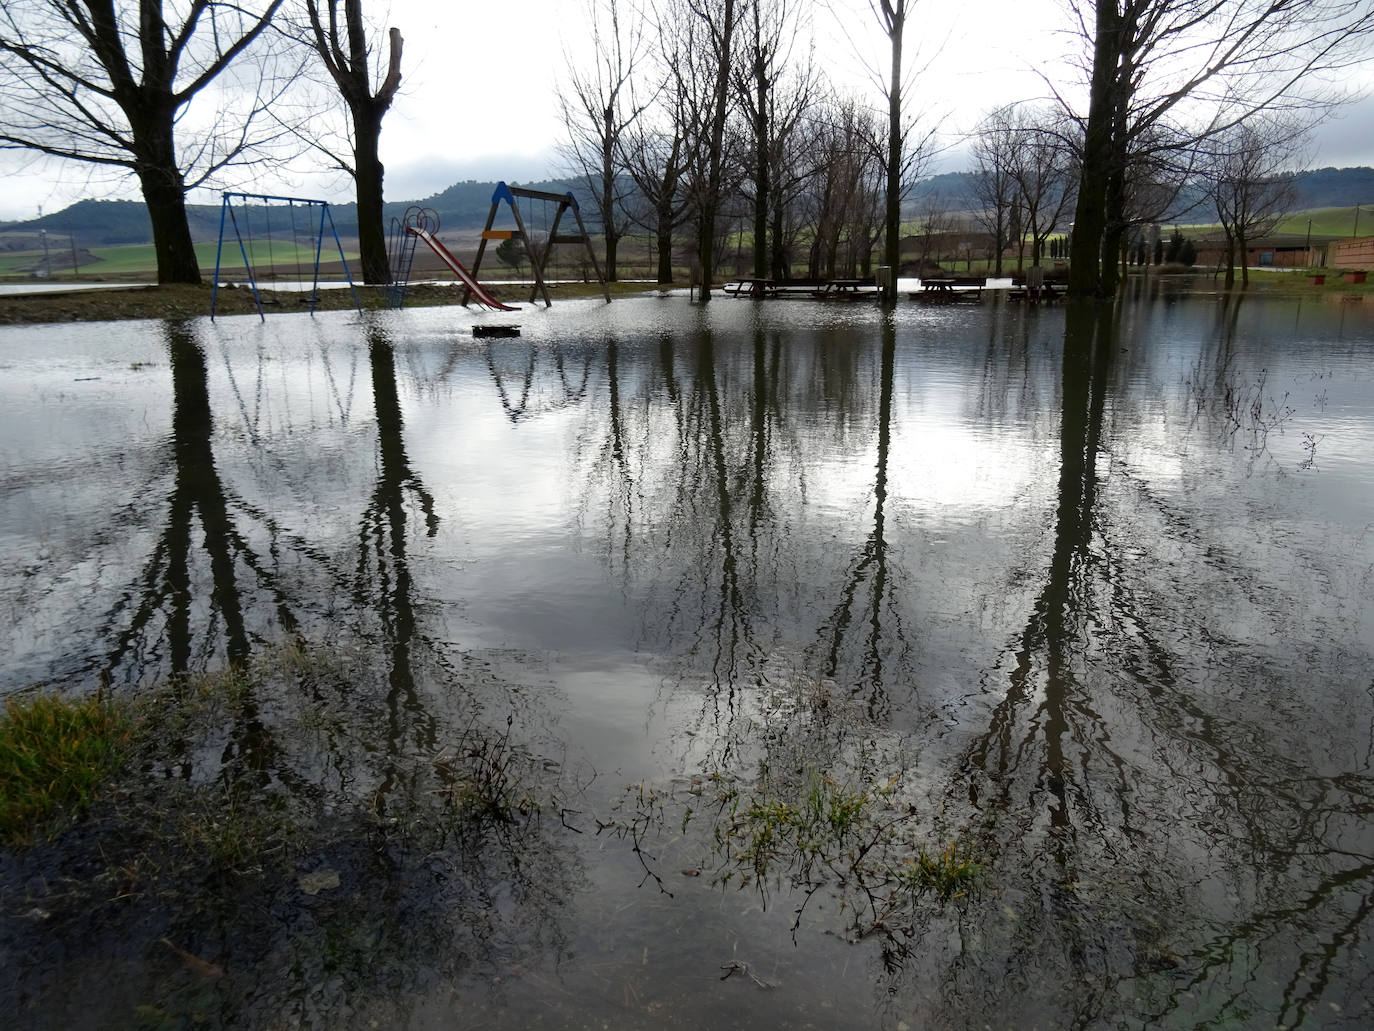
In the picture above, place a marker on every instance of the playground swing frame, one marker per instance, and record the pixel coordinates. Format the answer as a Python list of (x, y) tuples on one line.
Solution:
[(538, 258), (227, 211)]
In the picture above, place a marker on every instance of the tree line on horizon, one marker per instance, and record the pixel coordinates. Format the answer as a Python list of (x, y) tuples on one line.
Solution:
[(948, 199), (716, 112)]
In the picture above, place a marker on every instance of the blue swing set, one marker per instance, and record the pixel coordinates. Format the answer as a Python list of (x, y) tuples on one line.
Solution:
[(228, 216)]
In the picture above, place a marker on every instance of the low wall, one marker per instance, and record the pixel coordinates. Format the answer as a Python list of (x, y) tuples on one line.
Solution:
[(1355, 254)]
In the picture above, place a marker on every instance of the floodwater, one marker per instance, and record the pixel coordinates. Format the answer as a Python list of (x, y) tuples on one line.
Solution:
[(57, 288), (1087, 596)]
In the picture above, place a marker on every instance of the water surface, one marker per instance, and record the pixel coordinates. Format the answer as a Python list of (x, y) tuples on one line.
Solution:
[(1085, 594)]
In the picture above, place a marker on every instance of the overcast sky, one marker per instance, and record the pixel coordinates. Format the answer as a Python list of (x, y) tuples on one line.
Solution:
[(480, 87)]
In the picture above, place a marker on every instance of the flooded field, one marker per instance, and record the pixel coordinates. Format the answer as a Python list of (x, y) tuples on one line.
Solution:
[(768, 665)]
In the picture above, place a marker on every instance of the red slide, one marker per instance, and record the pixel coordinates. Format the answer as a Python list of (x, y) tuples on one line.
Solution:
[(464, 276)]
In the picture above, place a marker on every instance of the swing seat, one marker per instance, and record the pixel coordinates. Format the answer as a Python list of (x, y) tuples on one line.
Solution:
[(499, 234)]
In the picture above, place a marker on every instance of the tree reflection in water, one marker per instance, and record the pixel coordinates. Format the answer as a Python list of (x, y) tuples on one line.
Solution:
[(1120, 742), (1149, 847), (791, 764), (154, 618), (1147, 843), (880, 613), (366, 820)]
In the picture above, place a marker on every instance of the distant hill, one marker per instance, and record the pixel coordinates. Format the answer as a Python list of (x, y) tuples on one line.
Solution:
[(1335, 187), (464, 206), (953, 190), (1319, 188), (110, 223)]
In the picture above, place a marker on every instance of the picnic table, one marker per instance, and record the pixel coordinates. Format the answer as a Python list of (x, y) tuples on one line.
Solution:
[(845, 290), (950, 289), (752, 288)]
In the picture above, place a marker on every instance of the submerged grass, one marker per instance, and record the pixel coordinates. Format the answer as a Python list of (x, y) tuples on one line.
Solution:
[(806, 800), (809, 830), (948, 873), (55, 755)]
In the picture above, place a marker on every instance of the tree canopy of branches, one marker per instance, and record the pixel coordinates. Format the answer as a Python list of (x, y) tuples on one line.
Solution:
[(994, 185), (654, 154), (846, 188), (770, 31), (1166, 74), (707, 61), (1249, 172), (1042, 169), (113, 84), (599, 109), (347, 56)]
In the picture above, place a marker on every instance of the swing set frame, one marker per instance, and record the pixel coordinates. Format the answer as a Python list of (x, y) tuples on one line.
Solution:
[(227, 212), (538, 259)]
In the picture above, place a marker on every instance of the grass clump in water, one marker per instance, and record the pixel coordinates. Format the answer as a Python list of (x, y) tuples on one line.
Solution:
[(948, 873), (55, 754)]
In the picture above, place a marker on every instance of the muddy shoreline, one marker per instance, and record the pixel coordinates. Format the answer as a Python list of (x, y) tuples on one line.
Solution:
[(185, 302)]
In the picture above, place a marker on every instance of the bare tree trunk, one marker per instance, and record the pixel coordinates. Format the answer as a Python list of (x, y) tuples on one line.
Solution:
[(892, 251), (1114, 232), (715, 156), (778, 257), (1090, 214), (367, 129), (762, 179), (609, 136), (165, 195), (665, 257)]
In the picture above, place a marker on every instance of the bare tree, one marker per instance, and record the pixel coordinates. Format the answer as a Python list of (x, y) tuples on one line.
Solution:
[(846, 188), (994, 153), (1249, 171), (892, 17), (599, 108), (933, 224), (654, 153), (792, 162), (111, 86), (1155, 62), (1042, 168), (347, 56), (706, 60), (793, 167), (770, 31)]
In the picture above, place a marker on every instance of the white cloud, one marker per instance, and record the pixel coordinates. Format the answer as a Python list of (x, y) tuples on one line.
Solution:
[(479, 95)]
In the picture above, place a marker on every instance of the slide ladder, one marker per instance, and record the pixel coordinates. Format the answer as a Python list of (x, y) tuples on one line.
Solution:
[(421, 224), (400, 249), (476, 289)]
